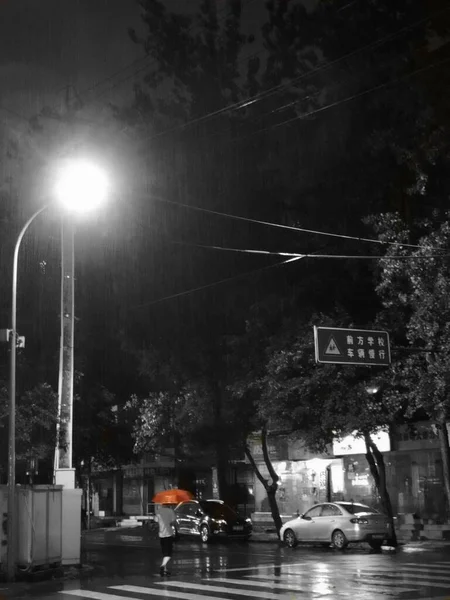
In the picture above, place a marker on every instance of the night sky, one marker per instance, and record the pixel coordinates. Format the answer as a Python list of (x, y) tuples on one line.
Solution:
[(46, 45)]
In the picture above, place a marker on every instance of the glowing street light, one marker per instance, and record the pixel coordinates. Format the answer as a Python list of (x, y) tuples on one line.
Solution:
[(79, 187)]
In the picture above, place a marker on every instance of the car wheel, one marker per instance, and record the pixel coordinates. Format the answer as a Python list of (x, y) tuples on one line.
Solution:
[(289, 538), (375, 545), (339, 540), (204, 534)]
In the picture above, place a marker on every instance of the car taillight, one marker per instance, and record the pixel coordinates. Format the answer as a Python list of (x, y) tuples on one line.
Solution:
[(359, 521)]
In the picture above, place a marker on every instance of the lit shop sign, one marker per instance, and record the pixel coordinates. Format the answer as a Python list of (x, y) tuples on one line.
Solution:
[(356, 445)]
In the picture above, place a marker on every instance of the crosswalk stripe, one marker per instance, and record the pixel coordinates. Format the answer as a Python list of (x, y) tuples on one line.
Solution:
[(281, 585), (399, 573), (226, 590), (237, 569), (95, 595), (255, 583), (151, 592), (419, 580), (432, 566), (332, 577), (406, 570)]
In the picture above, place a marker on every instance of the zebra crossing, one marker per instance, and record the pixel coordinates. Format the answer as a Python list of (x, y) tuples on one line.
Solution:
[(310, 580)]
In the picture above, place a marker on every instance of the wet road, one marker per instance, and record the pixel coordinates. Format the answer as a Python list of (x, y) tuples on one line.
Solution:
[(124, 565)]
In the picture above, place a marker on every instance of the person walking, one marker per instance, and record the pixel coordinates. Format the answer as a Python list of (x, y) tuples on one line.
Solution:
[(165, 517)]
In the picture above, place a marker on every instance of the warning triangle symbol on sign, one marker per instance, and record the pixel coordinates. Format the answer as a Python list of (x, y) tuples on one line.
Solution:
[(332, 347)]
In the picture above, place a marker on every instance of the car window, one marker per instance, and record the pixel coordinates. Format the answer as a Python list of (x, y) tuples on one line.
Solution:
[(329, 510), (217, 510), (355, 509), (192, 510), (181, 509), (314, 512)]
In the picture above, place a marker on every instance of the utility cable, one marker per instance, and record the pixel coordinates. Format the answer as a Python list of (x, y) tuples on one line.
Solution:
[(363, 93), (310, 113), (313, 255), (281, 226), (213, 284), (282, 86), (13, 112), (143, 59)]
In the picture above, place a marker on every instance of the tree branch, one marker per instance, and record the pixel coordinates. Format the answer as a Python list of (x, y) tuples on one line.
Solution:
[(269, 465), (248, 454)]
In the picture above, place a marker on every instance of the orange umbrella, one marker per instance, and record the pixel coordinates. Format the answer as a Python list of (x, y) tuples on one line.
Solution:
[(172, 496)]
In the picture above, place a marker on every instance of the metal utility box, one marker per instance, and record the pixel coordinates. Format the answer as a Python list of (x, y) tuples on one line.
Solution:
[(3, 524), (39, 523), (38, 528)]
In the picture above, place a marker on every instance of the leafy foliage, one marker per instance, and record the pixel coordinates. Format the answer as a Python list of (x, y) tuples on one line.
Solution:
[(101, 430), (418, 287), (36, 421)]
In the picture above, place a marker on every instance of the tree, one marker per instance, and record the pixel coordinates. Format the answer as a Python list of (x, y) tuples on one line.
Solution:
[(186, 411), (293, 394), (36, 422), (102, 434), (415, 290)]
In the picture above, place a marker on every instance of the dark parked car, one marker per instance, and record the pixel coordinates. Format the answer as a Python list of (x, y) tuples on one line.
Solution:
[(209, 519)]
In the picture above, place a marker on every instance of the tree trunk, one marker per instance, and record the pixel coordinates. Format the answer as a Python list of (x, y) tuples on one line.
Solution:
[(221, 450), (378, 470), (222, 466), (445, 452), (271, 488)]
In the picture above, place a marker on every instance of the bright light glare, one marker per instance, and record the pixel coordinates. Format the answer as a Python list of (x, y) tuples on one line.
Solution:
[(81, 186)]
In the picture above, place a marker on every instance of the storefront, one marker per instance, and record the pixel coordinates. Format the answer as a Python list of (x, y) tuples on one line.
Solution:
[(414, 473), (304, 478)]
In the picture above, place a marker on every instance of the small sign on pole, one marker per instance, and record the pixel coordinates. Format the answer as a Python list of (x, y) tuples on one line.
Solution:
[(4, 335), (352, 346)]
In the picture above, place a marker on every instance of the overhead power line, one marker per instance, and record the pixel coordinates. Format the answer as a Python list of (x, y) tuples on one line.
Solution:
[(148, 61), (13, 112), (360, 94), (313, 255), (281, 226), (215, 283), (282, 86)]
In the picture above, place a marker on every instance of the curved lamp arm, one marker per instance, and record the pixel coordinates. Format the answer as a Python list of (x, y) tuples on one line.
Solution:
[(12, 404)]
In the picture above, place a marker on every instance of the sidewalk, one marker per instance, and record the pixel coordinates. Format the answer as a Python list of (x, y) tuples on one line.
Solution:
[(265, 533)]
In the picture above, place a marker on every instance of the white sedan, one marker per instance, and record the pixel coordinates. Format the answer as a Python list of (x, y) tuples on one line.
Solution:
[(338, 523)]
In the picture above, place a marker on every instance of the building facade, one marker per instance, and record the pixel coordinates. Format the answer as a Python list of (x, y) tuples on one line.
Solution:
[(413, 470), (414, 473)]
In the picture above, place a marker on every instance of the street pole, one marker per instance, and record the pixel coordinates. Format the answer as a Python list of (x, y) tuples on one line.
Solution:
[(64, 473), (11, 525)]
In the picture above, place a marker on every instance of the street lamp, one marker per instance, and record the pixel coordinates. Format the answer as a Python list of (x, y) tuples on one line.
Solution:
[(80, 187), (73, 177)]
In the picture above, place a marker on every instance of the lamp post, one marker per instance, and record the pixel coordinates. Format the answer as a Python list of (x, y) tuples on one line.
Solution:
[(74, 178), (80, 187), (12, 406)]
